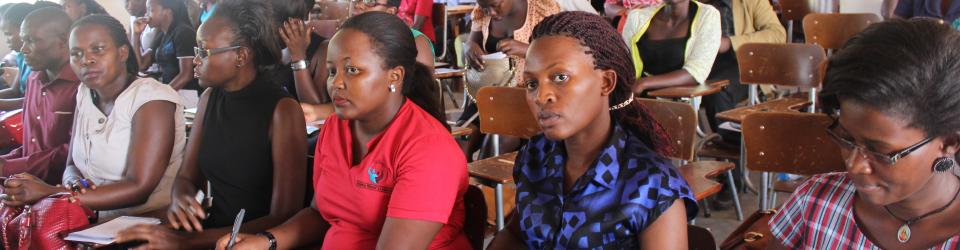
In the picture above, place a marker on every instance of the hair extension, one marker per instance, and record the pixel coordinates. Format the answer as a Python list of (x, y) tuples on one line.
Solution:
[(393, 42), (609, 53)]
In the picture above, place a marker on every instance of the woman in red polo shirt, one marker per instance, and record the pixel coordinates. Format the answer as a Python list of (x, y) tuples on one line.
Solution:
[(387, 172)]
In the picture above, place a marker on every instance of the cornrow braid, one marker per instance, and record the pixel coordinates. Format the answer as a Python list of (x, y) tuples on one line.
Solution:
[(609, 52)]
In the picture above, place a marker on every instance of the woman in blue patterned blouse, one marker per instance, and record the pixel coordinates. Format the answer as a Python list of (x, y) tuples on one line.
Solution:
[(594, 178)]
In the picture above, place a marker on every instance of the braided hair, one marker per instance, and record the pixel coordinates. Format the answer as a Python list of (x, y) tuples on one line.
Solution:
[(609, 52), (252, 26), (117, 34)]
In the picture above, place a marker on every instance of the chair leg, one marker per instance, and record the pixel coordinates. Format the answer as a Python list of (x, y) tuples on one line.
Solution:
[(450, 94), (705, 205), (736, 196), (764, 190), (499, 197)]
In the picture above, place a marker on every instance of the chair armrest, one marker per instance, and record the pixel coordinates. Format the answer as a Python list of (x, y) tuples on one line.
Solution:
[(690, 91), (443, 73), (778, 105), (494, 169)]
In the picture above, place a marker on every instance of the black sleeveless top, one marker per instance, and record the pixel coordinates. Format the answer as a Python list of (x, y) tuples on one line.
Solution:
[(666, 55), (235, 151)]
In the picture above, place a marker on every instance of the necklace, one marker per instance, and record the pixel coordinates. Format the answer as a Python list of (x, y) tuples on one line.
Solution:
[(903, 234)]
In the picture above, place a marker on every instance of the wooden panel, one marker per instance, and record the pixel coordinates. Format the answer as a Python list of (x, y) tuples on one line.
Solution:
[(831, 30), (778, 105), (443, 73), (709, 169), (794, 65), (679, 122), (497, 169), (794, 9), (504, 111), (790, 142)]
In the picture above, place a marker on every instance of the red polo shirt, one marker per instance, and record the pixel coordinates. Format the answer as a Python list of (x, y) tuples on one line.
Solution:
[(410, 8), (413, 170), (48, 109)]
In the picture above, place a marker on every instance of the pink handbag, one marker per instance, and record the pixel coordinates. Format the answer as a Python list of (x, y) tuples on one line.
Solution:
[(39, 226)]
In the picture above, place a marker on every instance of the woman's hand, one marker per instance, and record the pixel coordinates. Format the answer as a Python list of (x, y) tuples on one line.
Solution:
[(23, 189), (156, 236), (296, 36), (474, 55), (185, 213), (140, 25), (244, 241), (513, 47)]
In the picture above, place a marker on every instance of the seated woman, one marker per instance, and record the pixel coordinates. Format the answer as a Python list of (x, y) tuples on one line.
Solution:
[(599, 150), (672, 44), (387, 172), (173, 51), (248, 140), (898, 128), (501, 26), (128, 133), (302, 42), (77, 9)]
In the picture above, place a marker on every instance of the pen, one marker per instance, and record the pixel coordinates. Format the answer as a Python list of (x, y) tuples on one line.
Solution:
[(236, 228)]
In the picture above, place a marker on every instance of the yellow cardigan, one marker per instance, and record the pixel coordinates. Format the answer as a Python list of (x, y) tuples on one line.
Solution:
[(702, 46)]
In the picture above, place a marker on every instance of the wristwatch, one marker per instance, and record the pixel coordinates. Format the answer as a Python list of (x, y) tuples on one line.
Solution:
[(298, 65), (270, 238)]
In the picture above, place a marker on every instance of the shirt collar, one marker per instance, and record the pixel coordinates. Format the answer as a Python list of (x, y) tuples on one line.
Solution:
[(66, 74)]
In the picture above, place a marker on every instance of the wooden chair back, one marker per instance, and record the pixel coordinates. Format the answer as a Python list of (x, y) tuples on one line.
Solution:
[(333, 10), (679, 122), (440, 20), (475, 225), (504, 111), (790, 142), (699, 238), (794, 10), (792, 65), (832, 30)]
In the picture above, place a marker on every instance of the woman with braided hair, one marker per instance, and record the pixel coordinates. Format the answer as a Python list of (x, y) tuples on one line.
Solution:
[(597, 164)]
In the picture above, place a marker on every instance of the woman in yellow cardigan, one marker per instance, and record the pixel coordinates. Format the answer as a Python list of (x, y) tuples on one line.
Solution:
[(678, 39)]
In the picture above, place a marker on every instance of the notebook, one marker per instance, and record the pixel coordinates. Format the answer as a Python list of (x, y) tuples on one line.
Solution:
[(104, 233)]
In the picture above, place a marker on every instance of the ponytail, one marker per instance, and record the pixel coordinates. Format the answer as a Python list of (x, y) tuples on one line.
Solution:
[(421, 88)]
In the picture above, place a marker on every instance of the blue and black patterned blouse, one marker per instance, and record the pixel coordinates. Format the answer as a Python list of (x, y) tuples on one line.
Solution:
[(624, 192)]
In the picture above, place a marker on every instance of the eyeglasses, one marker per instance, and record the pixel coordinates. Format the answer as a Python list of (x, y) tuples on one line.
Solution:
[(848, 147), (368, 3), (204, 53)]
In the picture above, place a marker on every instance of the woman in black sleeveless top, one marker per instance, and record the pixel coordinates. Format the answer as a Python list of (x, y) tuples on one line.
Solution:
[(248, 140)]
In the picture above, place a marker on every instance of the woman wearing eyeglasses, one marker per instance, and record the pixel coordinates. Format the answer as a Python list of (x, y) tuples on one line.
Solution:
[(894, 89), (248, 140)]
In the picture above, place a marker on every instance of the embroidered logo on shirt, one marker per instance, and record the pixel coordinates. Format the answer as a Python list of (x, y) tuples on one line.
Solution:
[(377, 175)]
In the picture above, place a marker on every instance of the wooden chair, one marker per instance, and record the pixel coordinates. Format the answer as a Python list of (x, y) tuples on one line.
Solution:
[(699, 238), (832, 30), (503, 111), (680, 122), (475, 223), (789, 65), (791, 11), (789, 142)]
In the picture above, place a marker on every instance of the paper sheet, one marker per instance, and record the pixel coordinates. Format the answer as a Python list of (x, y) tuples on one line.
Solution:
[(104, 233)]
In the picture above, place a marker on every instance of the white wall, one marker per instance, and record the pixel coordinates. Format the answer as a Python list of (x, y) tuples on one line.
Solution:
[(114, 7)]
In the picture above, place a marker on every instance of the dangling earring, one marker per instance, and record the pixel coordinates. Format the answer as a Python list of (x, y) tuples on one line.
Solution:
[(392, 88), (943, 164)]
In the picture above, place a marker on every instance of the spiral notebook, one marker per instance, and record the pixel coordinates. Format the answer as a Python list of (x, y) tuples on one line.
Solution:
[(104, 233)]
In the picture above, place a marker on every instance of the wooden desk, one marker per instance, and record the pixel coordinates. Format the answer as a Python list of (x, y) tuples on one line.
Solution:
[(699, 184), (778, 105), (495, 169), (690, 91), (460, 131), (444, 73)]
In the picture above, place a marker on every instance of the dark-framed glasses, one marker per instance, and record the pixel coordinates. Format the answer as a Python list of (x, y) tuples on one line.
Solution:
[(848, 147), (204, 53)]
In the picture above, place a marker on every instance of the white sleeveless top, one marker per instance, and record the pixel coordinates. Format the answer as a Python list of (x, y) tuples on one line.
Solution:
[(100, 143)]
